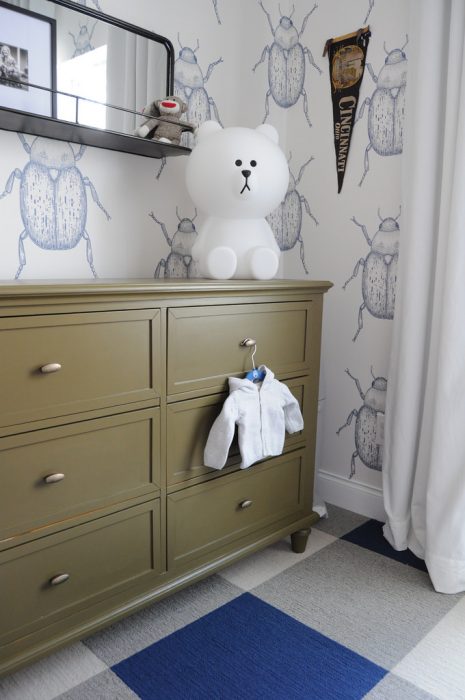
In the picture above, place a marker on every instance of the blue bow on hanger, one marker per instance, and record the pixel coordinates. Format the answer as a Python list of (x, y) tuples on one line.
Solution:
[(255, 374)]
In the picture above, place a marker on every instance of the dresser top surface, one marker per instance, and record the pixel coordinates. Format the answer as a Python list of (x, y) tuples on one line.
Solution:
[(51, 288)]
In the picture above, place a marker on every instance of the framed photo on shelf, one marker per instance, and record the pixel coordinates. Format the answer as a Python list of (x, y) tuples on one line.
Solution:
[(27, 58)]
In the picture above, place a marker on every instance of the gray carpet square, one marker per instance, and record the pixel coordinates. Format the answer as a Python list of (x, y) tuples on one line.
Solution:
[(339, 521), (394, 688), (363, 600), (103, 686), (151, 624), (53, 675)]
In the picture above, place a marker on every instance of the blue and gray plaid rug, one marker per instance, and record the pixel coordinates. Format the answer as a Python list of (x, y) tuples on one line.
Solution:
[(349, 618)]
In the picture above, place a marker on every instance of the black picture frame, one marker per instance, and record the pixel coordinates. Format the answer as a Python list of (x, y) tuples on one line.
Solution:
[(27, 60), (22, 120)]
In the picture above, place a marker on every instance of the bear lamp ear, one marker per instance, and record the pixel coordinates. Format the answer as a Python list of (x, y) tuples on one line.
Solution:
[(206, 128), (269, 131)]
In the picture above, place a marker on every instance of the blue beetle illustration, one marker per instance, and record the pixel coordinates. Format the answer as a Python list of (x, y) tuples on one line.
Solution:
[(189, 85), (369, 424), (84, 2), (386, 107), (286, 220), (161, 168), (379, 271), (53, 198), (82, 42), (370, 7), (215, 7), (286, 63), (179, 263)]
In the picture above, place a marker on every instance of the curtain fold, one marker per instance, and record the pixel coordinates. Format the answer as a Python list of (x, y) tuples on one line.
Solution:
[(424, 465), (25, 4), (136, 76)]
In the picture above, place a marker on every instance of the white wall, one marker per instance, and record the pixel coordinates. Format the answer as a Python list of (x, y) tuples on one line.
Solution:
[(131, 244), (333, 248)]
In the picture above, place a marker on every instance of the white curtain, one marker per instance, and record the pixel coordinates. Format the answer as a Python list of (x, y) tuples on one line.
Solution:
[(424, 467), (136, 75)]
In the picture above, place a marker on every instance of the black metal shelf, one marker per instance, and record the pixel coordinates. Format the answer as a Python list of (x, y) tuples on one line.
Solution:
[(27, 123), (51, 127)]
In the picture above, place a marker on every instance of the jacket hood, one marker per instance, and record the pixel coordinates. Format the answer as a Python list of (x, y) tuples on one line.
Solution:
[(243, 384)]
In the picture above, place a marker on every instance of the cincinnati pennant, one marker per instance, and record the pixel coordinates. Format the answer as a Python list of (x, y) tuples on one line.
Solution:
[(347, 56)]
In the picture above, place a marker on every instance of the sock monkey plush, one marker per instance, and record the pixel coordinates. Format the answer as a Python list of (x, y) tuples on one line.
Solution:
[(163, 121)]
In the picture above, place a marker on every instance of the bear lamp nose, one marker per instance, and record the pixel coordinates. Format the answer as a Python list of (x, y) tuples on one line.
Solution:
[(246, 173)]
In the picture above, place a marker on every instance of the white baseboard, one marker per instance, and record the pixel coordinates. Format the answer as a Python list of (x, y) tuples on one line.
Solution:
[(342, 492)]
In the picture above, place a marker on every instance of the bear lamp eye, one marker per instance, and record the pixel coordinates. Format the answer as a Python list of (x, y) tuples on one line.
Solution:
[(238, 163), (253, 163)]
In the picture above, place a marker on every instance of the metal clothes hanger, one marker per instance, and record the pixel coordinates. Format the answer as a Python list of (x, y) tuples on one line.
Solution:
[(255, 374)]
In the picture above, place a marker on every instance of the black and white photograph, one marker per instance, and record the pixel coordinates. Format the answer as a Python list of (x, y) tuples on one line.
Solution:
[(27, 60), (14, 66)]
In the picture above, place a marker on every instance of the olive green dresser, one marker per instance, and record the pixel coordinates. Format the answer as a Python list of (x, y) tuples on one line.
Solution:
[(108, 392)]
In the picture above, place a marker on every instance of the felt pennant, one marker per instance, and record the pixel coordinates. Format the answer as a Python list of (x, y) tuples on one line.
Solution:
[(347, 55)]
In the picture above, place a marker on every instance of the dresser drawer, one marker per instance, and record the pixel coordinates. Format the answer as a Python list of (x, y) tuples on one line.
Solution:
[(101, 558), (49, 475), (204, 343), (106, 360), (188, 426), (204, 521)]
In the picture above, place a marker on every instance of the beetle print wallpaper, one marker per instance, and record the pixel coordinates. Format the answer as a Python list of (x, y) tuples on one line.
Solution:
[(369, 424), (111, 214), (286, 220), (82, 40), (179, 263), (379, 276), (371, 4), (53, 198), (189, 85), (215, 7), (356, 244), (90, 3), (386, 107), (286, 63)]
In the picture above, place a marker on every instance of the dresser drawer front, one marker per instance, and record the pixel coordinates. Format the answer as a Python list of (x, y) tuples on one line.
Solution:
[(96, 360), (189, 423), (101, 559), (188, 426), (204, 342), (49, 475), (204, 520)]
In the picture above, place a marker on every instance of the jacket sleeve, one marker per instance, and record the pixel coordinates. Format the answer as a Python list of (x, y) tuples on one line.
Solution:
[(221, 436), (293, 420)]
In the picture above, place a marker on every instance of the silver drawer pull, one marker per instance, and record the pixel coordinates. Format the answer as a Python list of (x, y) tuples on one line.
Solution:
[(53, 478), (52, 367), (245, 504), (247, 342), (59, 578)]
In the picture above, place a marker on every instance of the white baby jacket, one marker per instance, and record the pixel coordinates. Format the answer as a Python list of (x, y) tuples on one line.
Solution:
[(262, 412)]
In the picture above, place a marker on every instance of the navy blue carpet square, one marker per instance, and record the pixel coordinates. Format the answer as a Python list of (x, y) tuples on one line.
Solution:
[(370, 535), (248, 649)]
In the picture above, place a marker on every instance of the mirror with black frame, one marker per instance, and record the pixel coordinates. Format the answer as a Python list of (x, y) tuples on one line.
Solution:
[(70, 72)]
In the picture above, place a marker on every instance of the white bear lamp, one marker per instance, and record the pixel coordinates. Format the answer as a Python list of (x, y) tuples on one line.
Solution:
[(236, 176)]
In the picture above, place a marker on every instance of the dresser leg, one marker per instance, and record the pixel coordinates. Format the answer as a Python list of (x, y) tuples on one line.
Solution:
[(299, 540)]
